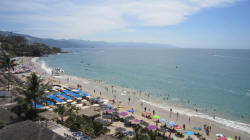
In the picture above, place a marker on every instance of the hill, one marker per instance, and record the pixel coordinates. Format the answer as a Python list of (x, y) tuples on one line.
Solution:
[(73, 43)]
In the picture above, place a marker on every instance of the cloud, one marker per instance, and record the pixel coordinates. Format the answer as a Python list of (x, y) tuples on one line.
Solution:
[(73, 19)]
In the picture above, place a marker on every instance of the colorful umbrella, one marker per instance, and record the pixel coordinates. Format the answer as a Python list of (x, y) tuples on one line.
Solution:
[(136, 121), (172, 123), (123, 113), (178, 128), (222, 138), (163, 120), (148, 113), (109, 106), (156, 117), (152, 127), (197, 128), (131, 111), (189, 133)]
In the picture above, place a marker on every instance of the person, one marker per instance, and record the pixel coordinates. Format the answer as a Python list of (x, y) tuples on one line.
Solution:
[(145, 109), (153, 112), (133, 110), (177, 115), (170, 112), (235, 137), (129, 100), (189, 120), (184, 126), (239, 137)]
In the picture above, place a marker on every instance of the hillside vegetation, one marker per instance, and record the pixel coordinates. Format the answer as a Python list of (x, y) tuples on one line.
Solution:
[(16, 45)]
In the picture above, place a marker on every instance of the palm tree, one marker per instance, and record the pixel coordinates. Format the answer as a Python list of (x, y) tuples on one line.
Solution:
[(7, 63), (64, 110), (30, 94)]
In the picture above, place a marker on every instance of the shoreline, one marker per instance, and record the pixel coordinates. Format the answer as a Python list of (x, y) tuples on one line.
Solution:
[(121, 94)]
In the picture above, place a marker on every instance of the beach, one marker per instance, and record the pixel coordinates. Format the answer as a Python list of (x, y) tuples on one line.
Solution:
[(138, 101)]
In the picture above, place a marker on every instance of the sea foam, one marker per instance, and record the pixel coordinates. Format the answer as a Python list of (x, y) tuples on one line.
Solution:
[(45, 67)]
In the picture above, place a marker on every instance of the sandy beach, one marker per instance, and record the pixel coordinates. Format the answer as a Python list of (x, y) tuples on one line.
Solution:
[(139, 101)]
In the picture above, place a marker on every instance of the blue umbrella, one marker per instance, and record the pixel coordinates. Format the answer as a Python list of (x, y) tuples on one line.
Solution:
[(197, 128), (85, 138), (164, 120), (109, 106), (131, 111), (189, 133), (172, 123)]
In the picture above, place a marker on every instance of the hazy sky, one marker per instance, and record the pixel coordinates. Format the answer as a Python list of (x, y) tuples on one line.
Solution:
[(184, 23)]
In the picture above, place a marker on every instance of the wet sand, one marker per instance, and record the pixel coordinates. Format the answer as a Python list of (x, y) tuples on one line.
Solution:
[(138, 102)]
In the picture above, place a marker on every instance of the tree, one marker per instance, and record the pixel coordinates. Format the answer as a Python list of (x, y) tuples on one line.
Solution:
[(7, 64), (62, 110), (31, 94)]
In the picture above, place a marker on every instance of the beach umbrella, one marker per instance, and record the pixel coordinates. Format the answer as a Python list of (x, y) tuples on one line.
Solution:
[(178, 128), (109, 106), (123, 114), (189, 133), (120, 129), (222, 138), (130, 118), (197, 128), (156, 117), (148, 113), (163, 120), (136, 121), (85, 138), (172, 123), (130, 133), (219, 135), (115, 109), (131, 111), (152, 127), (110, 111), (229, 138)]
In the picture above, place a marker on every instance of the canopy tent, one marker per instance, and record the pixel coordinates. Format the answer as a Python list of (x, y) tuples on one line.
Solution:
[(66, 97), (38, 106), (50, 103), (82, 93), (53, 97), (72, 93)]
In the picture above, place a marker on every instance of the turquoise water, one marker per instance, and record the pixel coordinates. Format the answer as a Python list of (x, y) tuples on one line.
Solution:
[(205, 79)]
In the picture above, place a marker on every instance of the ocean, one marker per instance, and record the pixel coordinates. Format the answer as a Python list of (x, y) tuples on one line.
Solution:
[(213, 81)]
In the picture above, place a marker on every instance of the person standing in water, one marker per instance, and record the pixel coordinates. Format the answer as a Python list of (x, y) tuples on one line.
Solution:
[(170, 112), (177, 115), (129, 100)]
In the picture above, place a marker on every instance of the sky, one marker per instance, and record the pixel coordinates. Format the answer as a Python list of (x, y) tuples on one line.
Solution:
[(182, 23)]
